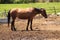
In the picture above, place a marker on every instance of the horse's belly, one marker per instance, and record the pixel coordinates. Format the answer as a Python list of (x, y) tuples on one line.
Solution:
[(23, 17)]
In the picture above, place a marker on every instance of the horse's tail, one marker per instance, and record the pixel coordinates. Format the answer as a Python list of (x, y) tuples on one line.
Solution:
[(8, 18)]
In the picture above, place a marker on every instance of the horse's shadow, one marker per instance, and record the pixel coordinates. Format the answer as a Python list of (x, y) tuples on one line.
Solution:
[(28, 30)]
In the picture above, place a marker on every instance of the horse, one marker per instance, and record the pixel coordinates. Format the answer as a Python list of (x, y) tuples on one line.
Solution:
[(28, 13)]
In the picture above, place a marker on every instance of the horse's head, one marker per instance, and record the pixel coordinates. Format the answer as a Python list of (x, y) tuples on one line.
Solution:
[(43, 12)]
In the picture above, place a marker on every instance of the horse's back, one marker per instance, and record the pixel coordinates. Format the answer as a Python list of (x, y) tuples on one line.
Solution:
[(21, 10)]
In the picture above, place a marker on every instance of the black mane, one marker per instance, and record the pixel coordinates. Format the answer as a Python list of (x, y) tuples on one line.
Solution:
[(37, 9)]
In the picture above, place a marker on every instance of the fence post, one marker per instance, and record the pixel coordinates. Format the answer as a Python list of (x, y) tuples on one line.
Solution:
[(54, 10), (5, 13)]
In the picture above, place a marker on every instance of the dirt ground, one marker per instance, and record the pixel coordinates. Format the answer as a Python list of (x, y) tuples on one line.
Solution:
[(43, 29)]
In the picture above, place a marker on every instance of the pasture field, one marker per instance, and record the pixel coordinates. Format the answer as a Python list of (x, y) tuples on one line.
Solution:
[(48, 6)]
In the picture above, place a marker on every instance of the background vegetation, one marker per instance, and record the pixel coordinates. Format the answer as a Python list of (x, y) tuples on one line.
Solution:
[(51, 6), (48, 6), (26, 1)]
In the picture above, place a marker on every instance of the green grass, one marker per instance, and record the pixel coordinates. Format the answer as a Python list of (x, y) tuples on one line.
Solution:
[(48, 6)]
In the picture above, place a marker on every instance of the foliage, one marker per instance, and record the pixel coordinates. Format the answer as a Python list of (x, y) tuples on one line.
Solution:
[(16, 1), (26, 1), (6, 1)]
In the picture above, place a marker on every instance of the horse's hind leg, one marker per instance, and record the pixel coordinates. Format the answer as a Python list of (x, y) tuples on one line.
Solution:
[(27, 24), (12, 25)]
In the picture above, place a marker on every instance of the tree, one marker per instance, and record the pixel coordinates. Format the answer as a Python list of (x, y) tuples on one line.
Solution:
[(7, 1), (33, 1)]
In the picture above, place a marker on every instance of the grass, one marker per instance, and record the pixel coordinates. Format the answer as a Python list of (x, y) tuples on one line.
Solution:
[(48, 6)]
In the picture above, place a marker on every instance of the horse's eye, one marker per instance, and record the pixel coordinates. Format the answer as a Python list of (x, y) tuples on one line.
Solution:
[(42, 10)]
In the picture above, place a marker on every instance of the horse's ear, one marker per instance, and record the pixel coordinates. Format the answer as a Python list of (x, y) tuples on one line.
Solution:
[(42, 9)]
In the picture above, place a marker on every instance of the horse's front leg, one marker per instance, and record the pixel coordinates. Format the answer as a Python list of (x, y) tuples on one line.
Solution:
[(13, 26), (31, 24), (27, 24)]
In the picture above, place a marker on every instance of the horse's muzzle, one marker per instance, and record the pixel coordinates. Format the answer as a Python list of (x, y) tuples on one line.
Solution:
[(46, 17)]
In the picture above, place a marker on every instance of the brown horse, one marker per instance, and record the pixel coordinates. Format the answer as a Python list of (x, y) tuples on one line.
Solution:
[(28, 13)]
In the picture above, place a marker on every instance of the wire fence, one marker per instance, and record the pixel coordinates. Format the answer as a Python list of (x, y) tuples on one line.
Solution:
[(52, 10), (3, 14)]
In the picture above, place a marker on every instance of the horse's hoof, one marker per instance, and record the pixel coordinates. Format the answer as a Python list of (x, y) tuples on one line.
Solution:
[(31, 29), (26, 29), (13, 29)]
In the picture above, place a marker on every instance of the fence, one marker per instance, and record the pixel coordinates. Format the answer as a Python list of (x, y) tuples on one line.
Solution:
[(53, 10), (49, 11), (3, 14)]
